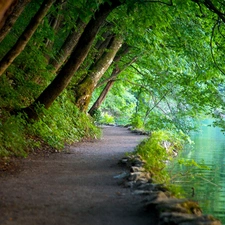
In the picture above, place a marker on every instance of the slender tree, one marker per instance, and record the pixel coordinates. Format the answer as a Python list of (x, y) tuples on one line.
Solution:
[(84, 89), (12, 18), (77, 57), (25, 37), (110, 81)]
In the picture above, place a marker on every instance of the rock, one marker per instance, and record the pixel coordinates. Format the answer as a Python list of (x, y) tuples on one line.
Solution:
[(121, 176), (160, 187), (156, 197), (137, 169), (124, 160), (192, 207), (147, 186), (177, 218), (128, 184), (172, 211), (178, 205), (139, 176), (141, 192)]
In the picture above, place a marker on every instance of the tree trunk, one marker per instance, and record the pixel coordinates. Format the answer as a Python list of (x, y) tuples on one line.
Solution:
[(11, 19), (110, 81), (5, 10), (85, 88), (79, 54), (101, 97), (25, 37), (68, 46)]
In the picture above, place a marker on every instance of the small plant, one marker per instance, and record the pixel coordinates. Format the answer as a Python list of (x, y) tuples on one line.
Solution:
[(107, 119), (136, 122)]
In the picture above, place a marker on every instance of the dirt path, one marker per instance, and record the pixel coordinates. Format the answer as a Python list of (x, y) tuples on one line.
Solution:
[(76, 188)]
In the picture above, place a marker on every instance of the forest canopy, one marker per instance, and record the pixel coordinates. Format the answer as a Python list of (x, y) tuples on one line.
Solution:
[(67, 65)]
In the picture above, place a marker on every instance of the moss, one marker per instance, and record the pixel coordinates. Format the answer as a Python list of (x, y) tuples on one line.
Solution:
[(83, 93), (192, 207)]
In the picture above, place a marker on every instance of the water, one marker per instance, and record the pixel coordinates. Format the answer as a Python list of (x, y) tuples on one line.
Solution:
[(208, 184)]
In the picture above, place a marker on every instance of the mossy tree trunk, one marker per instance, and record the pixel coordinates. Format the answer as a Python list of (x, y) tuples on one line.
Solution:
[(12, 17), (25, 37), (83, 91), (77, 57)]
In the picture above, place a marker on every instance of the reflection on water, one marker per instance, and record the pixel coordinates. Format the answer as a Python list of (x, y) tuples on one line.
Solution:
[(209, 185)]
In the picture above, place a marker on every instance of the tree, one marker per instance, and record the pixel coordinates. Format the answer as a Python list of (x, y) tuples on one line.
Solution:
[(84, 89), (12, 18), (110, 81), (25, 37), (77, 57)]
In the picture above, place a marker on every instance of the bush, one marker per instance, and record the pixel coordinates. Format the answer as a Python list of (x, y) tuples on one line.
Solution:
[(156, 154)]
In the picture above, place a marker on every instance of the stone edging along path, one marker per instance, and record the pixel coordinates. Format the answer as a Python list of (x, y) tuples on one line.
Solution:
[(171, 210)]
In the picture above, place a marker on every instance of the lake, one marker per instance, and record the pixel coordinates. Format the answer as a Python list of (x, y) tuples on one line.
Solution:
[(207, 186)]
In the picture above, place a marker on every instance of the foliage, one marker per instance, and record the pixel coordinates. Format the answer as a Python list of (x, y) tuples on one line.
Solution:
[(176, 78), (55, 129), (136, 122), (157, 150), (106, 118), (12, 137)]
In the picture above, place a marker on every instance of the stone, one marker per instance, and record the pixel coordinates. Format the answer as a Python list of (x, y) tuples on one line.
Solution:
[(129, 184), (141, 192), (139, 176), (160, 187), (121, 176), (137, 169), (156, 197), (177, 218), (178, 205), (144, 186)]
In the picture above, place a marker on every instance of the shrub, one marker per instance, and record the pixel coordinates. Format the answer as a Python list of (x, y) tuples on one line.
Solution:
[(156, 155)]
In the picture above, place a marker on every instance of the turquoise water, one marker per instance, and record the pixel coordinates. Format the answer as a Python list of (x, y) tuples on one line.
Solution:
[(208, 184)]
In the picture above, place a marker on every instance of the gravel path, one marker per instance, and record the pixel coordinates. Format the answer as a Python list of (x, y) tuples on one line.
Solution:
[(75, 188)]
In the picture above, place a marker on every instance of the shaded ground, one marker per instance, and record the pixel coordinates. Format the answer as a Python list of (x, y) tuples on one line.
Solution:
[(74, 188)]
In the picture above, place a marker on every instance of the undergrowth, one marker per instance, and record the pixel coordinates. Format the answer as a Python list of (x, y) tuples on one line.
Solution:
[(157, 151), (62, 124)]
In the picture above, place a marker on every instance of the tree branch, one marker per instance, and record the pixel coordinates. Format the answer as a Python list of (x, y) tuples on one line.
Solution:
[(212, 8), (116, 71)]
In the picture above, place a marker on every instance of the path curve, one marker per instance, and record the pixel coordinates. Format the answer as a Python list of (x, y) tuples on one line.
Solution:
[(75, 188)]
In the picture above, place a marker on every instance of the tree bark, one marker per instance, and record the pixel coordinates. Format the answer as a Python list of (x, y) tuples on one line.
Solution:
[(68, 46), (83, 91), (5, 10), (12, 18), (25, 37), (77, 57)]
